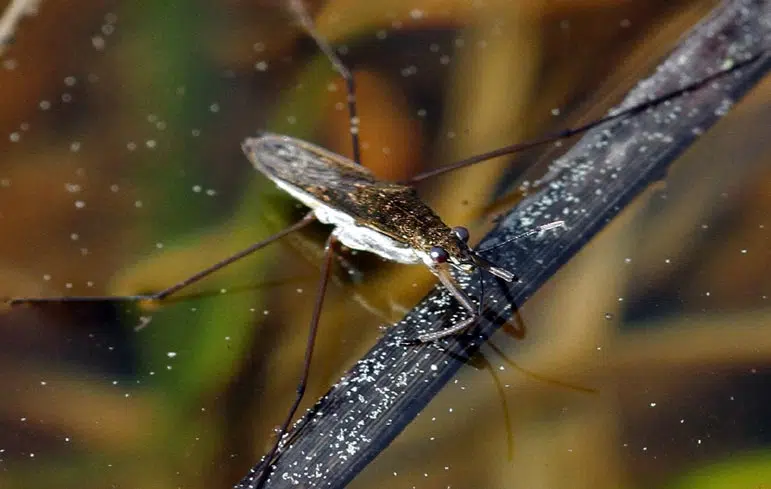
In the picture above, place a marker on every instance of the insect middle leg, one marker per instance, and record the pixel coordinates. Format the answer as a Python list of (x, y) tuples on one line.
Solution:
[(310, 344)]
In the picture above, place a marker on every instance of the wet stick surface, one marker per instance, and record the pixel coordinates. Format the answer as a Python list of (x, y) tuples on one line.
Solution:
[(384, 391)]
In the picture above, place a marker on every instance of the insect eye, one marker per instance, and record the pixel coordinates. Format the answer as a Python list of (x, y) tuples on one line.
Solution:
[(439, 254), (461, 233)]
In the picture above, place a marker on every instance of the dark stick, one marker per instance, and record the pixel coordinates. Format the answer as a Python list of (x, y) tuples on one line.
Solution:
[(591, 184)]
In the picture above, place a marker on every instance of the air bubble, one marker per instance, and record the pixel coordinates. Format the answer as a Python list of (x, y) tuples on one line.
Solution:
[(98, 43)]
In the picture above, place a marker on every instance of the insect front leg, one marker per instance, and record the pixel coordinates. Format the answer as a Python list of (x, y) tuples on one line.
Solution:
[(449, 283)]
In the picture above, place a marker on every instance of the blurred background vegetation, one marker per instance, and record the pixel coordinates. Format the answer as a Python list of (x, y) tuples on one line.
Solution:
[(121, 172)]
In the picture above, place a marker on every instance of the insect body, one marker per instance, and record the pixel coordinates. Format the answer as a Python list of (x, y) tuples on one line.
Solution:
[(388, 219)]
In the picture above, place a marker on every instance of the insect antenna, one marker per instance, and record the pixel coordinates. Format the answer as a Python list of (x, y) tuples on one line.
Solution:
[(537, 230)]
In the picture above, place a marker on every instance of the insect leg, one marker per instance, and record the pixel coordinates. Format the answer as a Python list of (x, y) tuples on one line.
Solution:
[(567, 133), (157, 296), (444, 276), (311, 343), (305, 20)]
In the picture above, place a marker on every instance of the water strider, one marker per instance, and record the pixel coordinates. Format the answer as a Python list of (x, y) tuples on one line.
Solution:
[(385, 218), (388, 219)]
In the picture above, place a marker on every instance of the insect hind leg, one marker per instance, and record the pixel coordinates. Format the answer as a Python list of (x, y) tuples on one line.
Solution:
[(168, 291), (306, 22)]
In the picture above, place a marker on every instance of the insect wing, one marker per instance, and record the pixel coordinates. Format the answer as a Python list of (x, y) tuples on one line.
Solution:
[(349, 193), (304, 166)]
